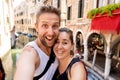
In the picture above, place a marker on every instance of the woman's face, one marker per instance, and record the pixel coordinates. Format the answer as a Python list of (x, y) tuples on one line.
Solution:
[(63, 46)]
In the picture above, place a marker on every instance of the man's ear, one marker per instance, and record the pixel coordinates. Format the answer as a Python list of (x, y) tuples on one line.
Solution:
[(36, 27)]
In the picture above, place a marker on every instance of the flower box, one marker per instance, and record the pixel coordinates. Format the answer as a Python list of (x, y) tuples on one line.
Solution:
[(107, 23)]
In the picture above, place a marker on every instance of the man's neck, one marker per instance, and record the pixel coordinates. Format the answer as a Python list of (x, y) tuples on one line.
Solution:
[(46, 50)]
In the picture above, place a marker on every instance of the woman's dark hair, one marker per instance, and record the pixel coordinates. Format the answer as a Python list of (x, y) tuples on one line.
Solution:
[(67, 30)]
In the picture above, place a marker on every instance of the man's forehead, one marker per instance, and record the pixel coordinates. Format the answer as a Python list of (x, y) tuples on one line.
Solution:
[(49, 15), (49, 21), (49, 18)]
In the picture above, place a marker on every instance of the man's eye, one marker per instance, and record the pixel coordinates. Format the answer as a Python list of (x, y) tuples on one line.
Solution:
[(45, 25), (55, 26)]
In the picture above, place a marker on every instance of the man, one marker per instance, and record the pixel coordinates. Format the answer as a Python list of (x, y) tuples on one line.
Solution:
[(35, 54)]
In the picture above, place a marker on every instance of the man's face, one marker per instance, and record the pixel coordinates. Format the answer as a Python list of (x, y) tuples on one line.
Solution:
[(47, 28)]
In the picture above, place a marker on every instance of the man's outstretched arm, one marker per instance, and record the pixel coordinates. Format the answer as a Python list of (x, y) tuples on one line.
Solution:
[(25, 67)]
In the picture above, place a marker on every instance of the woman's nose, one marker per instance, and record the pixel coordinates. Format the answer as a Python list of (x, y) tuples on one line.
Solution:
[(59, 46)]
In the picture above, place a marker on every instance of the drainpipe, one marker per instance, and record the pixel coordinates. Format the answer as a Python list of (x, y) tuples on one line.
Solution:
[(108, 59)]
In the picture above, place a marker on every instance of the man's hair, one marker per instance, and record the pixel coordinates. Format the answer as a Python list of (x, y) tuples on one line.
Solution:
[(48, 9)]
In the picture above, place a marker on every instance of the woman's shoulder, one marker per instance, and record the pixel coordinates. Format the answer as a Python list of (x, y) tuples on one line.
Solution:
[(78, 71), (78, 65)]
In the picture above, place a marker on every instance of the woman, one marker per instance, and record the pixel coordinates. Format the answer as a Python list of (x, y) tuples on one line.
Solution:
[(69, 68)]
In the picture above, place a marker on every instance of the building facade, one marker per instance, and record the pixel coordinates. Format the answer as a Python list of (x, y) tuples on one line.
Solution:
[(6, 25), (25, 18), (77, 20)]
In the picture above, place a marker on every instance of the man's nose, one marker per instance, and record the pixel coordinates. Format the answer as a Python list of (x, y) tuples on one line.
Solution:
[(50, 31)]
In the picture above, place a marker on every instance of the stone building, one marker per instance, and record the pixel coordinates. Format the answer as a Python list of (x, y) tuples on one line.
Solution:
[(6, 25), (25, 17), (77, 20)]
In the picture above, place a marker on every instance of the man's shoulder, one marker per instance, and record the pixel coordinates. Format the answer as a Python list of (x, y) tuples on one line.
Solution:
[(29, 51)]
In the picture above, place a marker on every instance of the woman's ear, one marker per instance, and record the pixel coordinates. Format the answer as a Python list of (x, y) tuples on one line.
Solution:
[(72, 46), (72, 50)]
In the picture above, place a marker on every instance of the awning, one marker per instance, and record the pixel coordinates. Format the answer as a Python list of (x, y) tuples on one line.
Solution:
[(107, 23)]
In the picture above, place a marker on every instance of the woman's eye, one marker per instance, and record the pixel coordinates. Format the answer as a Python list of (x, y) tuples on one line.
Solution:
[(64, 43)]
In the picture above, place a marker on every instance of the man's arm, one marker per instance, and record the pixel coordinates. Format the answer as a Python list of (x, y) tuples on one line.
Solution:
[(25, 67)]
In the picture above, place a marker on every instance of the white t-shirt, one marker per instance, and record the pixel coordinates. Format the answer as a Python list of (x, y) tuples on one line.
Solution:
[(43, 62)]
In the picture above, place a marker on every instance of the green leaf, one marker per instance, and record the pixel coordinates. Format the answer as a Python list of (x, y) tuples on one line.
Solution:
[(102, 10)]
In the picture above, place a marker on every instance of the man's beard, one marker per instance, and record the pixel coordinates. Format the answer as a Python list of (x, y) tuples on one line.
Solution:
[(45, 43)]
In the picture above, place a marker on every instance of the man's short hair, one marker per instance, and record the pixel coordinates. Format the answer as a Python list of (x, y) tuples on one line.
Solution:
[(48, 9)]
